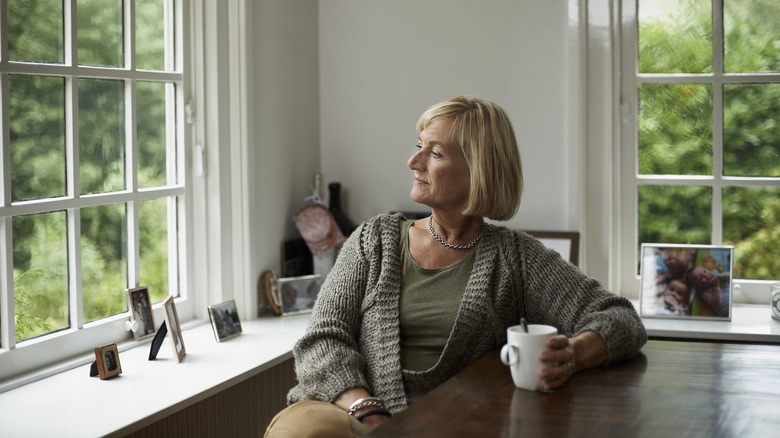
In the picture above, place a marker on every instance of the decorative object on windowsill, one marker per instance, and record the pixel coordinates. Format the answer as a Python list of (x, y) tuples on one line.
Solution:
[(141, 316), (296, 258), (157, 341), (172, 321), (334, 199), (269, 286), (686, 281), (290, 295), (774, 293), (106, 364), (298, 294), (316, 224), (224, 320)]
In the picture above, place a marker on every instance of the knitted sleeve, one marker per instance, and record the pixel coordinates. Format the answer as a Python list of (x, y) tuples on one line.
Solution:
[(559, 294), (327, 361)]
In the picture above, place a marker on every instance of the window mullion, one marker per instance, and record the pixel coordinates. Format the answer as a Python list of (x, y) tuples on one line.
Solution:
[(7, 327), (75, 295), (131, 171), (717, 122), (73, 178)]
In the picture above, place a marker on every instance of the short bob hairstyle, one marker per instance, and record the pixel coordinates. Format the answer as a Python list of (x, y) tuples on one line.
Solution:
[(486, 138)]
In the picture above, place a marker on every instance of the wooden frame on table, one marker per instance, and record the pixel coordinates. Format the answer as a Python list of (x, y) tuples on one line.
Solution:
[(172, 321), (107, 359), (567, 243)]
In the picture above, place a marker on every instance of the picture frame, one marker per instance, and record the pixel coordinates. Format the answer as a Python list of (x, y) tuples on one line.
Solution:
[(566, 243), (140, 307), (686, 281), (296, 295), (224, 320), (174, 328), (107, 360)]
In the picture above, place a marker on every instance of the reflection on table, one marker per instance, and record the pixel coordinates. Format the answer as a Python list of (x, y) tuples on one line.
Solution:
[(686, 389)]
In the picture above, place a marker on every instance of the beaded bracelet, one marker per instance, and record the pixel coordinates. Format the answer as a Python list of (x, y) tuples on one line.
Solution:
[(374, 412), (365, 402)]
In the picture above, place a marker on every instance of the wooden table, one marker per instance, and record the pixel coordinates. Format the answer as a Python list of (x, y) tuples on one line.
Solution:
[(672, 389)]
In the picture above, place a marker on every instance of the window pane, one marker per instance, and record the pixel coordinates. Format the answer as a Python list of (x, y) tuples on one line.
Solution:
[(103, 261), (153, 241), (150, 35), (751, 222), (101, 135), (37, 136), (751, 36), (35, 31), (40, 274), (675, 214), (100, 33), (751, 130), (675, 36), (151, 132), (675, 129)]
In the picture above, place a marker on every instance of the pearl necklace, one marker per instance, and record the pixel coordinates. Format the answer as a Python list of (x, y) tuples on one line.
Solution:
[(450, 246)]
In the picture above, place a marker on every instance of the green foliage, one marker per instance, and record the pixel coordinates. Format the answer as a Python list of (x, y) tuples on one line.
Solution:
[(37, 114), (675, 129)]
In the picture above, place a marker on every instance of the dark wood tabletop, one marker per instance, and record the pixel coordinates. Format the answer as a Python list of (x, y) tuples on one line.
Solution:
[(671, 389)]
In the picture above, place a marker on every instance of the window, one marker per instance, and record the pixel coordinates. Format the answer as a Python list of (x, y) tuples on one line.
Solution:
[(700, 133), (93, 190)]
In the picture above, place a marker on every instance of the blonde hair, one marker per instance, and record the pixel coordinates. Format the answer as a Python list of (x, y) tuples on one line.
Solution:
[(485, 135)]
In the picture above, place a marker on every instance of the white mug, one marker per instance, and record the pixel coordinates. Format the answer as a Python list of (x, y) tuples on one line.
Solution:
[(521, 353)]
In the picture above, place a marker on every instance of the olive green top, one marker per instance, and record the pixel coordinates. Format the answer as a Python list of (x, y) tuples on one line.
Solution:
[(430, 299)]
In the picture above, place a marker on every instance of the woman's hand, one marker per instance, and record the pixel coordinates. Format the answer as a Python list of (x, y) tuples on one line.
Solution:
[(569, 355)]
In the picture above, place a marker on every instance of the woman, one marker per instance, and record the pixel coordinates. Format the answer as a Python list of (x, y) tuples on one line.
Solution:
[(409, 304)]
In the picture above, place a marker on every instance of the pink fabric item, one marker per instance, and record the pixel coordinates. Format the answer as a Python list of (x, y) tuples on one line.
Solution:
[(317, 227)]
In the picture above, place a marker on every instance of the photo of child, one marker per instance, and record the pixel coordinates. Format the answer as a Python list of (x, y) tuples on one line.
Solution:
[(686, 281)]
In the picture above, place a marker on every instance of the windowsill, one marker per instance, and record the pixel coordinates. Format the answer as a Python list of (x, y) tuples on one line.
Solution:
[(71, 403), (749, 323)]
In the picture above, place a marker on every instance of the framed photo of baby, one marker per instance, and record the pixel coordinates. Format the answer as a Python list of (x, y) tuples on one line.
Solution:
[(686, 281)]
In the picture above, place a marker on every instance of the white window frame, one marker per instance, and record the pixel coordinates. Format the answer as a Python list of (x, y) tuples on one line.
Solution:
[(625, 61), (52, 352)]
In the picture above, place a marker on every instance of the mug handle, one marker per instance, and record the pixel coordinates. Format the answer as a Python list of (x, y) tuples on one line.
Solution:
[(510, 354)]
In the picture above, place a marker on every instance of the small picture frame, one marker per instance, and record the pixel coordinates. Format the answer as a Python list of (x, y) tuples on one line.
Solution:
[(297, 294), (224, 320), (172, 322), (566, 243), (686, 281), (140, 307), (107, 360)]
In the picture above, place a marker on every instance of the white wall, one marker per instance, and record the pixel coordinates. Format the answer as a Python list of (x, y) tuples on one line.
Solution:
[(283, 121), (382, 63), (336, 86)]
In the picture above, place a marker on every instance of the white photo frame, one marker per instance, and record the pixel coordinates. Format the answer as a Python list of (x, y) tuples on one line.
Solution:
[(686, 281)]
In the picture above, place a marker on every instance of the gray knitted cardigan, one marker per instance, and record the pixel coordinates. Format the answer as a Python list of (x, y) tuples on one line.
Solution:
[(353, 340)]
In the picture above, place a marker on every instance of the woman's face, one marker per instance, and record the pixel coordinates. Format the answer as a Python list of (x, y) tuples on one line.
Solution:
[(441, 175)]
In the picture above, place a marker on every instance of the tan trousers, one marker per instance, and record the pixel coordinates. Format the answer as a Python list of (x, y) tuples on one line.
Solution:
[(311, 418)]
